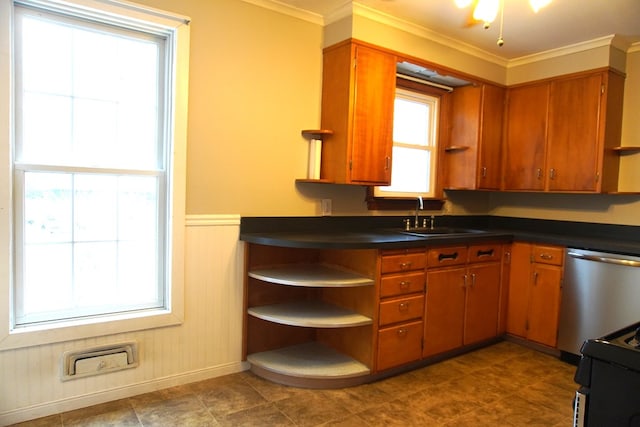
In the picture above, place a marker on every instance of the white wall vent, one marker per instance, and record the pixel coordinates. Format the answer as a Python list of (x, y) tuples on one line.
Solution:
[(99, 360)]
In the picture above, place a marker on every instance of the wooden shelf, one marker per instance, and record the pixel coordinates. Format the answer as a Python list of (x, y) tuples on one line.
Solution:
[(310, 275), (453, 148), (315, 181), (626, 150), (310, 314), (309, 360), (316, 134)]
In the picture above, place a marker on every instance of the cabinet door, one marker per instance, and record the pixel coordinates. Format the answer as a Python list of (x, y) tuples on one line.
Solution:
[(525, 137), (461, 155), (372, 116), (483, 294), (573, 141), (473, 158), (398, 345), (444, 310), (544, 304), (518, 299), (490, 152)]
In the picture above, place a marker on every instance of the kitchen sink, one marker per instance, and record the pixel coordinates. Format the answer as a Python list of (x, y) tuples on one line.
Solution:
[(440, 231)]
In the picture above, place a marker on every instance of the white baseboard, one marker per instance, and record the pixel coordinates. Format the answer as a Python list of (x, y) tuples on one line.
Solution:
[(83, 401)]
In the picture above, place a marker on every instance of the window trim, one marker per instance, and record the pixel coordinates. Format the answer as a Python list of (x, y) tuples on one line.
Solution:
[(178, 28)]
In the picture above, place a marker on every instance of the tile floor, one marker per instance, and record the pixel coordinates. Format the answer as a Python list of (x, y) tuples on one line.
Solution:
[(502, 385)]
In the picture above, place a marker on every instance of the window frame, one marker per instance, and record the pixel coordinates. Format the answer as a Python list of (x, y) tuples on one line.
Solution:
[(377, 202), (176, 28)]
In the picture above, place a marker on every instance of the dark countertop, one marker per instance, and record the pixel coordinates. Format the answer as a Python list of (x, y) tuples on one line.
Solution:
[(384, 233)]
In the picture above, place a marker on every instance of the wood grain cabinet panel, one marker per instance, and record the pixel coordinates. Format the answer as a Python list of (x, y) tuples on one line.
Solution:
[(525, 137), (358, 92), (535, 283), (473, 157), (560, 133)]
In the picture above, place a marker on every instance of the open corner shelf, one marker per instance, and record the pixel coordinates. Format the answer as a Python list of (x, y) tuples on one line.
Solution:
[(315, 181), (626, 149), (454, 148), (310, 314), (310, 275), (310, 361)]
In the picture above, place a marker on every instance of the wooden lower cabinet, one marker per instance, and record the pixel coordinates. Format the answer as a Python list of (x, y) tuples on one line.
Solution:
[(401, 307), (399, 344), (444, 314), (535, 283), (462, 302)]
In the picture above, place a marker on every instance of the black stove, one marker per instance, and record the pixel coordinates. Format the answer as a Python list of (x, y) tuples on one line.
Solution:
[(609, 379)]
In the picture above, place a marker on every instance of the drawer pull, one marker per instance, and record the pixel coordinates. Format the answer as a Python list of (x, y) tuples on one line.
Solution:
[(402, 332), (405, 265), (452, 256), (405, 284), (546, 256), (403, 306), (482, 253)]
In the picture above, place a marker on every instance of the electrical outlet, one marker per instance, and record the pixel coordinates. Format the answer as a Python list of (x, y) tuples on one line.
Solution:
[(325, 207)]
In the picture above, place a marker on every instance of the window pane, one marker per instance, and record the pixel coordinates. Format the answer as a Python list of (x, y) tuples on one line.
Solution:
[(97, 104), (411, 122), (411, 172), (90, 244)]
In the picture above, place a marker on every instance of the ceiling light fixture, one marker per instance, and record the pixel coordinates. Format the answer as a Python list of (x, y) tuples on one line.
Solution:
[(486, 11)]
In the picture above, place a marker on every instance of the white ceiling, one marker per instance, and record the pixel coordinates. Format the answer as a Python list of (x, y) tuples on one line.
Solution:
[(563, 23)]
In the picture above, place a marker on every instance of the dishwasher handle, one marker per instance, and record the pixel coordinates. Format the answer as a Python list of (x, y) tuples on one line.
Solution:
[(608, 260)]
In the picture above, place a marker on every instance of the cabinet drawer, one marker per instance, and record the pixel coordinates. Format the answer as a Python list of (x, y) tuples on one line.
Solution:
[(485, 253), (553, 255), (399, 345), (442, 257), (403, 262), (401, 309), (400, 284)]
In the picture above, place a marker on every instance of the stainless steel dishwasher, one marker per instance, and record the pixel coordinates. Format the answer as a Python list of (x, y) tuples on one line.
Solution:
[(600, 294)]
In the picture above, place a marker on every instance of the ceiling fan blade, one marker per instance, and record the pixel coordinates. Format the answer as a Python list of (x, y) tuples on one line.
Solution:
[(469, 20)]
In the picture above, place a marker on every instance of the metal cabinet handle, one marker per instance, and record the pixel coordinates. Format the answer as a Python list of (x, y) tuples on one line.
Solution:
[(484, 171), (402, 332), (482, 253), (405, 265), (452, 256), (546, 256), (464, 281), (405, 284), (403, 306), (539, 173), (552, 173), (473, 280)]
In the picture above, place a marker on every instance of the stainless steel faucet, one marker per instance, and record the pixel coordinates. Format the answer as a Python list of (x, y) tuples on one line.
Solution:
[(419, 207)]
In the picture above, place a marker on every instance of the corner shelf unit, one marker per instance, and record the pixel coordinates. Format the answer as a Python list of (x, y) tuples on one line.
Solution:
[(307, 320)]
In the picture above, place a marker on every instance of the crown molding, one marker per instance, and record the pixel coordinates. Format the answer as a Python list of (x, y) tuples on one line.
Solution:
[(286, 9), (635, 47), (426, 33), (562, 51)]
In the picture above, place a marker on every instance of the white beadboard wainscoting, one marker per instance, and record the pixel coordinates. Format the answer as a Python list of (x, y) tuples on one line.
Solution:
[(208, 344)]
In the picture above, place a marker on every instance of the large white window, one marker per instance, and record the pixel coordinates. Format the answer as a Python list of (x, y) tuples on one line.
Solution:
[(414, 146), (97, 162)]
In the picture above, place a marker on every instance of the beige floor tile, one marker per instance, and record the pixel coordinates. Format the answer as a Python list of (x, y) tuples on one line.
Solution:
[(502, 385)]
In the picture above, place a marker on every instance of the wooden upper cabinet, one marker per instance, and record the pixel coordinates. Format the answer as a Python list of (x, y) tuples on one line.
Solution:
[(358, 92), (472, 156), (560, 134), (525, 137), (578, 139)]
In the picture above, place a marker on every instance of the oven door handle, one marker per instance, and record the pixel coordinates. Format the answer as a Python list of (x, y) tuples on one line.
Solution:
[(607, 260)]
